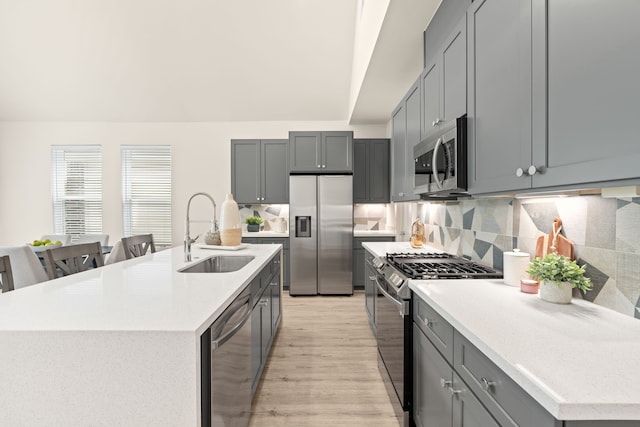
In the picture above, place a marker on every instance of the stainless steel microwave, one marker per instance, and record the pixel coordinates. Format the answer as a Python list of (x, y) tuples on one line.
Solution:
[(440, 162)]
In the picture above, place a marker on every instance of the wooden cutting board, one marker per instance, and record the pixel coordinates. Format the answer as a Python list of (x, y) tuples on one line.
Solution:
[(555, 242)]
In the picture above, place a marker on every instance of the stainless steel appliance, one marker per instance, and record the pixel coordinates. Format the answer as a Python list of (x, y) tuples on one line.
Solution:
[(226, 367), (393, 313), (440, 162), (321, 234)]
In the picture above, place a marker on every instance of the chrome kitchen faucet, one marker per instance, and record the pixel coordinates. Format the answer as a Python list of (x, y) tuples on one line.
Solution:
[(187, 239)]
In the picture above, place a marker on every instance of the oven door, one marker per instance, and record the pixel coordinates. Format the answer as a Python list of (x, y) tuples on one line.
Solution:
[(392, 317)]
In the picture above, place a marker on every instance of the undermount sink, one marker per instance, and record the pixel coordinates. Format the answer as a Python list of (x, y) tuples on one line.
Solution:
[(218, 264)]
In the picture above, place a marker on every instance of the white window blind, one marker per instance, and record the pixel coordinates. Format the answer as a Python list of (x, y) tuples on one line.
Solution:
[(77, 189), (146, 191)]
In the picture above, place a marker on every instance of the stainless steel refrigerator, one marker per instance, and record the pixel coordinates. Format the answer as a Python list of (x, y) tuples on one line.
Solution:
[(321, 234)]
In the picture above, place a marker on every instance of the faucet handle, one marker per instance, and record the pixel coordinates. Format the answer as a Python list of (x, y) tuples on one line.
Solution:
[(195, 238)]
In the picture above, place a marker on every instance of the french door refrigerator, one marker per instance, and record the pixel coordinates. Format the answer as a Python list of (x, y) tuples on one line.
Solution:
[(321, 234)]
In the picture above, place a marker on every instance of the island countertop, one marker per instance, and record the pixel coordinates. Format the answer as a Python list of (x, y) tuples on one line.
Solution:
[(117, 345)]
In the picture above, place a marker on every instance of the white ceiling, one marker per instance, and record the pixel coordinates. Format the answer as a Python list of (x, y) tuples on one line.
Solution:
[(199, 60)]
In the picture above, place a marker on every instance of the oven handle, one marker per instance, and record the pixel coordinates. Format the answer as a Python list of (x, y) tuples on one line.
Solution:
[(403, 306)]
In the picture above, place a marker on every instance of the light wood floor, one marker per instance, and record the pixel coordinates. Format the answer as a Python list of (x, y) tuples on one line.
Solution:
[(323, 368)]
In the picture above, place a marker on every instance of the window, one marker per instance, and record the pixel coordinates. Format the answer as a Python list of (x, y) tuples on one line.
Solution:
[(146, 191), (76, 189)]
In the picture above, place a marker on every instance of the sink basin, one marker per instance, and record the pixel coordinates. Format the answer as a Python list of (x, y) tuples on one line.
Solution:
[(218, 264)]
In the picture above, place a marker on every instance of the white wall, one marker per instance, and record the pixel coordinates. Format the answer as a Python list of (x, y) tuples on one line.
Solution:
[(201, 162)]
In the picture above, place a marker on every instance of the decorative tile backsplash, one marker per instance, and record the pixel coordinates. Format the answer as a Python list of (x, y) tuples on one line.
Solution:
[(372, 217), (268, 213), (606, 233)]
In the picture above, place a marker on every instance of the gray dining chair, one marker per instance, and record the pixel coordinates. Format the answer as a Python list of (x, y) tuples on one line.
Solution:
[(66, 260), (136, 246), (6, 277), (26, 267)]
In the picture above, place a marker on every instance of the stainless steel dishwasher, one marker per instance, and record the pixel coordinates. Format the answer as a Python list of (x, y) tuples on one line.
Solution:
[(226, 366)]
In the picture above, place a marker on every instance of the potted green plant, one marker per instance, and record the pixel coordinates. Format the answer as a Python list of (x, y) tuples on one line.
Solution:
[(253, 223), (558, 275)]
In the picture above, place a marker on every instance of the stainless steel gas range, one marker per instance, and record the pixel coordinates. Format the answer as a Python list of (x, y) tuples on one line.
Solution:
[(393, 313)]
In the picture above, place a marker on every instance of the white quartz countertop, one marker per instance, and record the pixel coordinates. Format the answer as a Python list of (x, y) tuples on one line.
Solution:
[(580, 361), (373, 233), (146, 293)]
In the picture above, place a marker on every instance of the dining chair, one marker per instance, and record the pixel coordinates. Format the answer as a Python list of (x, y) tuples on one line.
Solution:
[(6, 277), (73, 259), (89, 238), (136, 246), (116, 254), (26, 267)]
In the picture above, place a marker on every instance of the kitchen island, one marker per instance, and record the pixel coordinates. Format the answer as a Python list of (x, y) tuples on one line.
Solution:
[(117, 345)]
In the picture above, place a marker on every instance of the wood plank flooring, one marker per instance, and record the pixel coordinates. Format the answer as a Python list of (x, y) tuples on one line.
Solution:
[(323, 368)]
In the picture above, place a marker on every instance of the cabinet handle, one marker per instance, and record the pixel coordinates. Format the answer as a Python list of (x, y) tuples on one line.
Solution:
[(324, 166), (487, 384), (372, 278), (401, 194), (257, 198), (428, 322), (318, 166), (264, 303), (453, 391), (531, 170), (445, 383), (262, 198)]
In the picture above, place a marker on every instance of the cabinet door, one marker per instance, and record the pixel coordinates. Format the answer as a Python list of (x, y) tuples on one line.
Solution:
[(378, 171), (430, 98), (453, 84), (276, 302), (499, 93), (398, 141), (593, 91), (265, 323), (467, 409), (304, 151), (275, 171), (358, 271), (360, 172), (412, 105), (245, 171), (337, 152), (432, 377)]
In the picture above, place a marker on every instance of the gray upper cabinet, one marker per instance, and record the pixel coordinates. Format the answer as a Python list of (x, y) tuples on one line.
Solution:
[(444, 81), (441, 26), (592, 67), (321, 152), (405, 134), (260, 171), (371, 171), (553, 99), (500, 94)]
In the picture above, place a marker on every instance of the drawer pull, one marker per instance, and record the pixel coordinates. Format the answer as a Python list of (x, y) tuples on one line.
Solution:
[(453, 391), (428, 323), (486, 384), (445, 383), (372, 278)]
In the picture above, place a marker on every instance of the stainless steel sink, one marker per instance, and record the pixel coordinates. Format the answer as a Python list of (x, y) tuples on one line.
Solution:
[(218, 264)]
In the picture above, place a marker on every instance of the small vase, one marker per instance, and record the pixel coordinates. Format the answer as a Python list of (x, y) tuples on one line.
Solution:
[(556, 292), (529, 286), (253, 227), (230, 224)]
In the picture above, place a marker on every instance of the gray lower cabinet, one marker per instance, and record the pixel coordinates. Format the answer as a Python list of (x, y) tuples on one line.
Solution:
[(371, 171), (284, 241), (440, 397), (260, 171), (265, 319), (406, 119), (444, 81), (364, 275), (321, 152)]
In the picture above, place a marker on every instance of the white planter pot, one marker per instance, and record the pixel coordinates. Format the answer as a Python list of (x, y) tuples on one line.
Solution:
[(556, 292)]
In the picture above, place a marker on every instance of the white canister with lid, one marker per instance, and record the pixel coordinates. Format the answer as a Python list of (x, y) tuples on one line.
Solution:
[(515, 265)]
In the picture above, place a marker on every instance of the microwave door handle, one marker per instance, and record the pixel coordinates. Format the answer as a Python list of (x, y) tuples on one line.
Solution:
[(434, 164)]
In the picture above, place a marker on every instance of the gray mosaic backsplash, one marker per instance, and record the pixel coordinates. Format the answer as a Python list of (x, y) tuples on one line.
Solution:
[(606, 233)]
